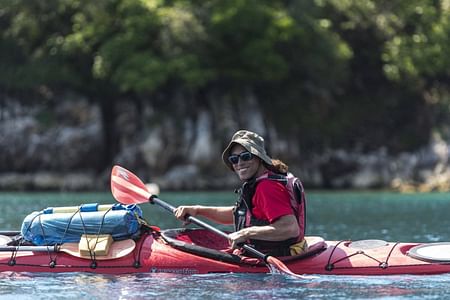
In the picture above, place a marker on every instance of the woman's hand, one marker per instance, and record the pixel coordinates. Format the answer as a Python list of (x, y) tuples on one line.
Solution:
[(283, 228), (182, 211), (238, 237)]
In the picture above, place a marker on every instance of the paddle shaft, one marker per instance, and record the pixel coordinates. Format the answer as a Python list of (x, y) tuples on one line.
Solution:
[(154, 200), (9, 233), (55, 248)]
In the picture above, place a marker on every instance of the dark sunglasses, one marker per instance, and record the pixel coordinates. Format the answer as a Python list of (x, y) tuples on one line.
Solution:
[(245, 156)]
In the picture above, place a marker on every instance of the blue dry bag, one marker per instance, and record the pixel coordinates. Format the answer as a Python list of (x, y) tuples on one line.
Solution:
[(49, 227)]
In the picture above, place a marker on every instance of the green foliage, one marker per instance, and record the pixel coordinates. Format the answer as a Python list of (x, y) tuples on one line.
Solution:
[(421, 44), (333, 72), (242, 40)]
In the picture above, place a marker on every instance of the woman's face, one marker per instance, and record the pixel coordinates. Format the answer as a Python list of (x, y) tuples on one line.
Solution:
[(246, 169)]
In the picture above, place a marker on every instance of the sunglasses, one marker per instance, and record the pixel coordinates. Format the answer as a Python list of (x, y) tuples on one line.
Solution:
[(245, 156)]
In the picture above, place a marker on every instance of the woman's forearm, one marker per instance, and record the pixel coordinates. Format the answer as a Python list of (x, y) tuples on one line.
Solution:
[(218, 214)]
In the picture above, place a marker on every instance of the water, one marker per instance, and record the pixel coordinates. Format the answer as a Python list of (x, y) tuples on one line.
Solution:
[(337, 215), (219, 286)]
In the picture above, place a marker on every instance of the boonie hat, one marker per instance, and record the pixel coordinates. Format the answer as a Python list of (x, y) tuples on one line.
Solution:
[(252, 142)]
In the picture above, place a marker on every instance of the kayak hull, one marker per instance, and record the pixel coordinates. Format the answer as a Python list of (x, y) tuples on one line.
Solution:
[(201, 252)]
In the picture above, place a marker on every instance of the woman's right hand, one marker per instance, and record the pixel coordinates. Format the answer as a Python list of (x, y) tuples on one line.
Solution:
[(182, 211)]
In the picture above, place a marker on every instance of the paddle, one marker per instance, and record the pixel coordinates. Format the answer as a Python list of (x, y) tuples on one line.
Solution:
[(117, 249), (127, 188)]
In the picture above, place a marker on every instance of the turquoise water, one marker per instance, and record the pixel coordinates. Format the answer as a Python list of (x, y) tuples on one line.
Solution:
[(333, 215)]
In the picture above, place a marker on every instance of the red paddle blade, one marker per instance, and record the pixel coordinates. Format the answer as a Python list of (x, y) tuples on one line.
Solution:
[(127, 188), (282, 268)]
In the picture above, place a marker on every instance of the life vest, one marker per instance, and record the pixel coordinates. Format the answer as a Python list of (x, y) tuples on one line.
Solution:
[(243, 216)]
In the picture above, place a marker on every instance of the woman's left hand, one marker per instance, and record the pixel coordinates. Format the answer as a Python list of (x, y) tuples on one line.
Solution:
[(283, 228), (237, 238)]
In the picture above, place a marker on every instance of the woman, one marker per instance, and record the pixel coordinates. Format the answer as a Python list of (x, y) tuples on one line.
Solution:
[(264, 214)]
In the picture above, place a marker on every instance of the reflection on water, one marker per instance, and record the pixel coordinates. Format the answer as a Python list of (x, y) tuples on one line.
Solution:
[(336, 216), (219, 286)]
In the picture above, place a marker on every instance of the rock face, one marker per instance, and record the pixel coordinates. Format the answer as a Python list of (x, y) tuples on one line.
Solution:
[(427, 169), (67, 139), (58, 146)]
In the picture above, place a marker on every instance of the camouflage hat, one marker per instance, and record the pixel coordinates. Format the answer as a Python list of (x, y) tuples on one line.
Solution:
[(252, 142)]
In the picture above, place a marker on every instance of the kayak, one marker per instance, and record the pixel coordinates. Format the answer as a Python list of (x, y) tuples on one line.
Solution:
[(115, 239), (199, 251)]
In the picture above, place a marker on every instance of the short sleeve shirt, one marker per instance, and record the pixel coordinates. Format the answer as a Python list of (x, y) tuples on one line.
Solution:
[(271, 201)]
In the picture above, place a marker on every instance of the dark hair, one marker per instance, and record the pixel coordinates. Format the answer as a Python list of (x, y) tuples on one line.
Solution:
[(278, 166)]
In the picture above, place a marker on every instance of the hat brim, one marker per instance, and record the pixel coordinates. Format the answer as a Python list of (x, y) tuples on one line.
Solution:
[(250, 147)]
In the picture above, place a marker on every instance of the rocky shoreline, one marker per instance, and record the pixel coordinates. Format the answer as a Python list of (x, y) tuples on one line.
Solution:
[(404, 173), (59, 150)]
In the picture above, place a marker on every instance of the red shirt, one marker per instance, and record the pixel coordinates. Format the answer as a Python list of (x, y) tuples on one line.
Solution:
[(271, 201)]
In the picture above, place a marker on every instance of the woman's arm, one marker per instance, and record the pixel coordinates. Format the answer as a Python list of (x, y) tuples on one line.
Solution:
[(282, 229), (218, 214)]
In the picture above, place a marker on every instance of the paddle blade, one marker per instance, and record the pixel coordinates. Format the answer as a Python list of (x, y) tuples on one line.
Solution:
[(127, 188), (282, 268)]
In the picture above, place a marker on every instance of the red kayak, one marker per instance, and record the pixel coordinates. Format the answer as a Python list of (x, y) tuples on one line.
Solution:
[(198, 251), (115, 240)]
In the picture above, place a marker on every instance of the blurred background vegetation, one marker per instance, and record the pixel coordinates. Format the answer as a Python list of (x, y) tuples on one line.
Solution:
[(324, 74)]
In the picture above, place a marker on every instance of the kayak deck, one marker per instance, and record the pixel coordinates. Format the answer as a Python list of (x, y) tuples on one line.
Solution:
[(197, 251)]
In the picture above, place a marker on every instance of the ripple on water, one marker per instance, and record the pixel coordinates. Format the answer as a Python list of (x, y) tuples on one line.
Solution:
[(218, 286)]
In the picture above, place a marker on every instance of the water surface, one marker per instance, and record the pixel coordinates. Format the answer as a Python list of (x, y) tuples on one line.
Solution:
[(332, 215)]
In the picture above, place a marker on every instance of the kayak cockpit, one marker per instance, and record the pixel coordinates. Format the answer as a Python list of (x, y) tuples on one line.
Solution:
[(208, 244)]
